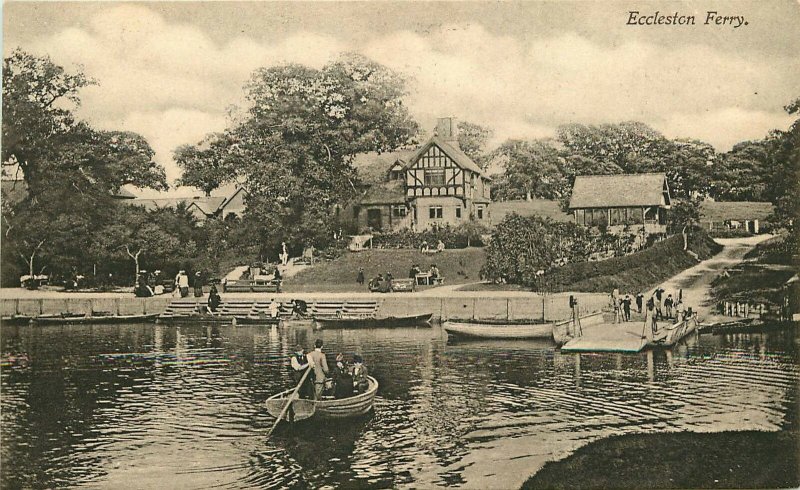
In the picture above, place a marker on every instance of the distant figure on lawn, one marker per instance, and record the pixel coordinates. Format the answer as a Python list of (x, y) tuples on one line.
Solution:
[(412, 274), (424, 247), (376, 282), (434, 271), (360, 276), (440, 247)]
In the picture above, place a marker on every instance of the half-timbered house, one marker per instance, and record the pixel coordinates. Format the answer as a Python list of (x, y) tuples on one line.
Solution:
[(433, 186)]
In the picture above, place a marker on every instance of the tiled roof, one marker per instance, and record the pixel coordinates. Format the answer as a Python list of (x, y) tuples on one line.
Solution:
[(601, 191), (372, 167), (735, 210)]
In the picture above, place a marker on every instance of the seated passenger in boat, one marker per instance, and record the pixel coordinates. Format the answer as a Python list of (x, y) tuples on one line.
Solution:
[(360, 372), (342, 379)]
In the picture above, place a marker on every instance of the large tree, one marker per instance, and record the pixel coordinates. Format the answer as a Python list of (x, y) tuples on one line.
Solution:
[(293, 149)]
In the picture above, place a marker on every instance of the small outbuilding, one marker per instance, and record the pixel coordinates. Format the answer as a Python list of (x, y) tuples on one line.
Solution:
[(733, 215), (623, 202)]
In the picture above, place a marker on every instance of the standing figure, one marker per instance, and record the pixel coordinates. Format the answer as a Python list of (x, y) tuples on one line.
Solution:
[(659, 312), (360, 373), (284, 254), (182, 283), (639, 300), (300, 362), (626, 308), (668, 305), (214, 298), (274, 308), (320, 364), (198, 285), (360, 276)]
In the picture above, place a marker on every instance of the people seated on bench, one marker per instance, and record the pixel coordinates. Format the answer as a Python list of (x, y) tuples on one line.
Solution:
[(434, 272), (142, 289), (376, 283), (412, 274), (299, 308)]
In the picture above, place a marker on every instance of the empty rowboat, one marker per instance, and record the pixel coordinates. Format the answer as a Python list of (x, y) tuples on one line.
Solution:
[(327, 407), (95, 319), (477, 329)]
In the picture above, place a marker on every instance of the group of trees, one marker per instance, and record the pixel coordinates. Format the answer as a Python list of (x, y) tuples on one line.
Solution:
[(546, 168), (69, 219)]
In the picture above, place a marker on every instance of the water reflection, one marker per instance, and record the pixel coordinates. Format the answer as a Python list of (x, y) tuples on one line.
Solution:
[(166, 406)]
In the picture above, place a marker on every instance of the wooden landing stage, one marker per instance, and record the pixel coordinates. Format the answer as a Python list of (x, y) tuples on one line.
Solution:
[(629, 337)]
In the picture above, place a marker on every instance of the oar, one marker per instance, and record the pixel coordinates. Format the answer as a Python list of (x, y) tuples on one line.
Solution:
[(290, 400)]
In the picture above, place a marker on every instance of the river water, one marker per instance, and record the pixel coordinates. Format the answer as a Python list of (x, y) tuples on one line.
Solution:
[(152, 406)]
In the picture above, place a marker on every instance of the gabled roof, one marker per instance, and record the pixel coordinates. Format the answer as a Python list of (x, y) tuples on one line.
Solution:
[(605, 191), (384, 193), (453, 151), (735, 210), (372, 167)]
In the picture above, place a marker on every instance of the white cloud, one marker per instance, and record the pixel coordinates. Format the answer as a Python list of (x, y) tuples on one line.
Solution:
[(172, 82)]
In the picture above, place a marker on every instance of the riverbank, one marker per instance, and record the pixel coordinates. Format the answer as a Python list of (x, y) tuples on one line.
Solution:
[(749, 459)]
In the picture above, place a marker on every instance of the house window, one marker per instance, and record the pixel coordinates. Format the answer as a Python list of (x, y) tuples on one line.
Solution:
[(435, 212), (396, 175), (458, 213), (399, 211), (434, 177), (480, 212)]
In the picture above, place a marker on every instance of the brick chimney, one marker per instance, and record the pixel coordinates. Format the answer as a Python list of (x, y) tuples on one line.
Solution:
[(447, 129)]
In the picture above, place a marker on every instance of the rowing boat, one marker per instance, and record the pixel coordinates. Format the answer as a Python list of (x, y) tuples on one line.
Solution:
[(327, 407), (491, 329), (256, 320), (194, 318), (95, 319), (374, 322), (15, 320)]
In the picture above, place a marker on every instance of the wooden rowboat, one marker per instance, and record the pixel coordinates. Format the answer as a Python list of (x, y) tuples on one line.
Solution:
[(15, 320), (193, 319), (95, 319), (327, 407), (499, 330), (256, 320), (373, 322)]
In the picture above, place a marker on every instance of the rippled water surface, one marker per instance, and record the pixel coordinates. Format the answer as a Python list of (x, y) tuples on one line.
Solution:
[(167, 407)]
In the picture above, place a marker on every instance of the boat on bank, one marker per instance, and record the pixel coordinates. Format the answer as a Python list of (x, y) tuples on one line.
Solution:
[(326, 407), (499, 329), (421, 320), (15, 320), (94, 319)]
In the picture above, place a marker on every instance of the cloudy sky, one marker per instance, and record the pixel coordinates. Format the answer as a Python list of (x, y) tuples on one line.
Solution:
[(169, 70)]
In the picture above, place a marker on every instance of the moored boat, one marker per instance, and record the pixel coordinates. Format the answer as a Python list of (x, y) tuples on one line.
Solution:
[(194, 318), (256, 320), (374, 322), (325, 408), (478, 329), (15, 320), (95, 319)]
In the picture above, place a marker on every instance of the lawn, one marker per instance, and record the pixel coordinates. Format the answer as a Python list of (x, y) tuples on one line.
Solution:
[(456, 266)]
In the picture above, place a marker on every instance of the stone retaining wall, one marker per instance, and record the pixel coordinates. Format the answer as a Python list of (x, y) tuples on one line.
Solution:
[(556, 307)]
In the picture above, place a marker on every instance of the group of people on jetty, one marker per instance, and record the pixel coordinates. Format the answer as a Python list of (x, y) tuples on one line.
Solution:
[(342, 381), (662, 305)]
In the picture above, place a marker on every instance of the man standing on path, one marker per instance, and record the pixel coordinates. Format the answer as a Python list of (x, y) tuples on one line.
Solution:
[(639, 299), (659, 315), (626, 308), (198, 284), (668, 305), (320, 364)]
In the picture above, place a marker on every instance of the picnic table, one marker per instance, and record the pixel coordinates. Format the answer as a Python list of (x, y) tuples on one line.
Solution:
[(426, 279)]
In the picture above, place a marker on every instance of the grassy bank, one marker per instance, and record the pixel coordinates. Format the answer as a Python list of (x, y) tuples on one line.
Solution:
[(681, 460), (636, 272), (456, 266)]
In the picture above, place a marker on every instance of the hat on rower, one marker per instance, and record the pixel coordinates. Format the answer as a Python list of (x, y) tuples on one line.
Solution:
[(357, 359)]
